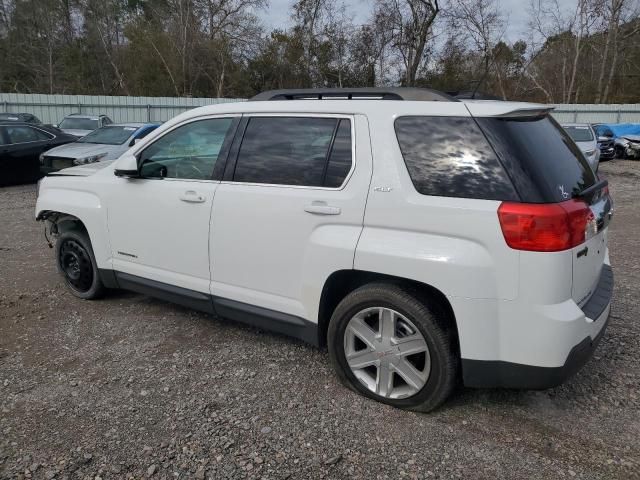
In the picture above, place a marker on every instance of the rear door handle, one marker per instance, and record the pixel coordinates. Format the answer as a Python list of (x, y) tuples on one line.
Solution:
[(321, 208), (191, 196)]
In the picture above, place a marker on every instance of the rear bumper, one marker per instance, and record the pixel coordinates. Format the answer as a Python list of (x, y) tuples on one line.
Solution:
[(502, 374)]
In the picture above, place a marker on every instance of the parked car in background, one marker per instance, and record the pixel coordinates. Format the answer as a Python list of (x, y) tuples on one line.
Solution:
[(106, 143), (19, 117), (628, 146), (20, 147), (423, 239), (606, 141), (80, 125), (626, 138), (585, 139)]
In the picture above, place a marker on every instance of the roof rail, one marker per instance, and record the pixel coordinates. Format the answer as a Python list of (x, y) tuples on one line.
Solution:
[(392, 93)]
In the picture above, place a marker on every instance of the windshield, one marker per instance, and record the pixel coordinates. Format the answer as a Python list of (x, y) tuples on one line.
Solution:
[(71, 123), (539, 156), (109, 135), (579, 133)]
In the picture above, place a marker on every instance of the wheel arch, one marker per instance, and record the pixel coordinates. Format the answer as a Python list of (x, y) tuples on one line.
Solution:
[(62, 221), (342, 282)]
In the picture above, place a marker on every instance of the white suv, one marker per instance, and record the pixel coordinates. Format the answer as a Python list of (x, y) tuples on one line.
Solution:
[(422, 239)]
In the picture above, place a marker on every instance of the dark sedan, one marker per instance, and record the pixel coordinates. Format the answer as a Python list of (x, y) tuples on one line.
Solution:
[(20, 147), (19, 117)]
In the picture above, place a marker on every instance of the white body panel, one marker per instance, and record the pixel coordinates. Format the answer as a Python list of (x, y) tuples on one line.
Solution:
[(266, 245), (157, 233), (256, 243)]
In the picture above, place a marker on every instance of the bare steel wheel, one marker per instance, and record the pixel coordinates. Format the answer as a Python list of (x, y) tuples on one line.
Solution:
[(77, 264), (387, 353), (395, 344)]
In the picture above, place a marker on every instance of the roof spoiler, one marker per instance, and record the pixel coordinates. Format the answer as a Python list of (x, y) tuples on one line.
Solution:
[(507, 109)]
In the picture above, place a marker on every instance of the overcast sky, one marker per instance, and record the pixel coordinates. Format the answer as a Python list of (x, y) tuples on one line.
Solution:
[(278, 15)]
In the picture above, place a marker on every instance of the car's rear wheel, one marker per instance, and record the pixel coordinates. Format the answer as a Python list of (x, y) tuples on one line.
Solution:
[(395, 346), (77, 264)]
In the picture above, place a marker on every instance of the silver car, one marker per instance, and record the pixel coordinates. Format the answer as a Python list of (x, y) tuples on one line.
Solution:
[(80, 125), (586, 140), (106, 143)]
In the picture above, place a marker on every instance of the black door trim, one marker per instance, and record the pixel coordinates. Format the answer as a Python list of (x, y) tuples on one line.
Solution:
[(260, 317)]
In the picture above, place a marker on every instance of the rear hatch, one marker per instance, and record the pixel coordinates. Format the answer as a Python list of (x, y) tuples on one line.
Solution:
[(547, 167)]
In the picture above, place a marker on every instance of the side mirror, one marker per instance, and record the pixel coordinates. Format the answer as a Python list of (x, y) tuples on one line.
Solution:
[(127, 166)]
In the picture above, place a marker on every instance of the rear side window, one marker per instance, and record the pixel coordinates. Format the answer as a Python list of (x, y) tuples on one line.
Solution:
[(450, 157), (295, 151), (544, 163), (21, 134)]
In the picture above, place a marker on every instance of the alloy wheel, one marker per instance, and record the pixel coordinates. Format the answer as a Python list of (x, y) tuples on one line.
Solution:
[(387, 353)]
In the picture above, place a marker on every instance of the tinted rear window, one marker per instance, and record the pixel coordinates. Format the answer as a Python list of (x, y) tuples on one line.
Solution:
[(543, 162), (450, 157)]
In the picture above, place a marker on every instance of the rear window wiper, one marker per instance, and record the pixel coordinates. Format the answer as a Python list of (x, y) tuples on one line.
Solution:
[(599, 185)]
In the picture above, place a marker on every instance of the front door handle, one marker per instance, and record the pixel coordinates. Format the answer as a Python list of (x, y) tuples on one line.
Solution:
[(321, 208), (191, 196)]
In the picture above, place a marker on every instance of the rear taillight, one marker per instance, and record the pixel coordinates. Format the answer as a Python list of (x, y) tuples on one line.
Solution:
[(546, 227)]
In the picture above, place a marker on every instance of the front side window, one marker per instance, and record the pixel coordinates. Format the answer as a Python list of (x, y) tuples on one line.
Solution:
[(20, 134), (299, 151), (188, 152), (450, 157)]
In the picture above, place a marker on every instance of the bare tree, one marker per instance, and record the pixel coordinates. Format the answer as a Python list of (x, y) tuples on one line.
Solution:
[(410, 25), (480, 24), (614, 14), (566, 32)]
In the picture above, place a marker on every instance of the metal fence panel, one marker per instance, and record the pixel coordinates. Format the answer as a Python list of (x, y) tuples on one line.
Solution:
[(592, 113), (53, 108)]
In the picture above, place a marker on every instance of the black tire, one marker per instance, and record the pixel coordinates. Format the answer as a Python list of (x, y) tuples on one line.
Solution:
[(434, 325), (620, 153), (77, 265)]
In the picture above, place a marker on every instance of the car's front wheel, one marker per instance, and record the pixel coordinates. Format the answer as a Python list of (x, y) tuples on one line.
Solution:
[(77, 264), (394, 345)]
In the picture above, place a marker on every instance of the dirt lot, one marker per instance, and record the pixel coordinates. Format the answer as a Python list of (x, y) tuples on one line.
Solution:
[(131, 386)]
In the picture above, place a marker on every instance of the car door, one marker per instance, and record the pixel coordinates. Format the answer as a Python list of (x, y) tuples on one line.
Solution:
[(21, 154), (159, 224), (290, 210)]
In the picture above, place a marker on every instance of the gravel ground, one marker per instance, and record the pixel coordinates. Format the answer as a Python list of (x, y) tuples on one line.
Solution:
[(134, 387)]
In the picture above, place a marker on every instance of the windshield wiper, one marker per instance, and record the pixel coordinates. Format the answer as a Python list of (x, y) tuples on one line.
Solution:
[(599, 185)]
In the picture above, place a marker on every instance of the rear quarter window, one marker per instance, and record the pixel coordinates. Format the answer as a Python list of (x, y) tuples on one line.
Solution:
[(450, 157)]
